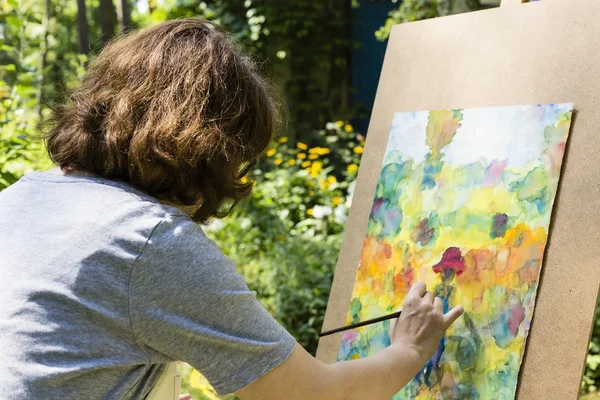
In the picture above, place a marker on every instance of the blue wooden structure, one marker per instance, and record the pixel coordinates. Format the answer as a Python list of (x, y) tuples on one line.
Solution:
[(367, 60)]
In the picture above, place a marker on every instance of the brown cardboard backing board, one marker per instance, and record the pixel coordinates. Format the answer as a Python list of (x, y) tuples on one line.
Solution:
[(541, 52)]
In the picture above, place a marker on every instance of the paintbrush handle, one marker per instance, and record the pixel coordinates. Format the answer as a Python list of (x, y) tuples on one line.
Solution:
[(359, 324)]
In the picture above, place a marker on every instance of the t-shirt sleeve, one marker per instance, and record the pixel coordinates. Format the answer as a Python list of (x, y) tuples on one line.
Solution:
[(188, 303)]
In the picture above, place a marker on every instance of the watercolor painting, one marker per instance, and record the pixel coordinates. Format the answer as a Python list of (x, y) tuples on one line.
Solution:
[(463, 203)]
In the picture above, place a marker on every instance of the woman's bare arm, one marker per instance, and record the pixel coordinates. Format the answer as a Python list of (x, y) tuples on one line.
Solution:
[(378, 377)]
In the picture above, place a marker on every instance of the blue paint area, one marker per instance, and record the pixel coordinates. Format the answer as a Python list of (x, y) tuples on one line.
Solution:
[(387, 216), (430, 170), (552, 112), (541, 205), (433, 365), (389, 185), (500, 330)]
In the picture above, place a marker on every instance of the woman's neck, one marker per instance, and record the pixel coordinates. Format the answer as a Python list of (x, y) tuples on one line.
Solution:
[(69, 171)]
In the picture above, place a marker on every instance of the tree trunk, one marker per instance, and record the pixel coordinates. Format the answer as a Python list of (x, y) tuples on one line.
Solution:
[(123, 15), (108, 19), (82, 28), (43, 61)]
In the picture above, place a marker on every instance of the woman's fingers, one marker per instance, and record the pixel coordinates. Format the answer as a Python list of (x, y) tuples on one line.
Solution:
[(452, 315), (438, 305), (417, 290), (428, 297)]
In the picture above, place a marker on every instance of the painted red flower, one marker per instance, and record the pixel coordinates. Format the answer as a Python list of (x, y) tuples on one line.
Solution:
[(451, 259)]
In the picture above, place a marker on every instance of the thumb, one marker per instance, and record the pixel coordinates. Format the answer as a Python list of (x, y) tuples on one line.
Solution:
[(453, 315)]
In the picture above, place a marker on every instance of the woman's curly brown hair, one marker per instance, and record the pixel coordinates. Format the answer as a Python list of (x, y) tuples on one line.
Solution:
[(176, 110)]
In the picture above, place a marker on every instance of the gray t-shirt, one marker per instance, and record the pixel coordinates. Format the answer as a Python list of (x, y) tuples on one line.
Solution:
[(102, 284)]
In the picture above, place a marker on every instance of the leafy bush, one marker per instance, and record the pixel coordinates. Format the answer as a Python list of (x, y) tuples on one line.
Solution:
[(591, 376), (286, 237), (29, 61), (417, 10)]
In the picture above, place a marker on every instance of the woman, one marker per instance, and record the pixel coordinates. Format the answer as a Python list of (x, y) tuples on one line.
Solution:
[(107, 276)]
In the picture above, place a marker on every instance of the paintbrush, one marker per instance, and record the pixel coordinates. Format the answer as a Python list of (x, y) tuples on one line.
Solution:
[(359, 324)]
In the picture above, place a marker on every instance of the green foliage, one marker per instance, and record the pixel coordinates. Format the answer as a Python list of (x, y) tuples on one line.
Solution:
[(21, 78), (303, 46), (416, 10), (591, 376), (286, 237)]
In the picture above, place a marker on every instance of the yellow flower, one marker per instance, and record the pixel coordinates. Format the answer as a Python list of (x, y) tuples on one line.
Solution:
[(331, 179), (315, 168), (283, 139), (309, 211), (336, 200), (348, 128), (351, 168), (271, 152), (324, 184), (278, 161), (305, 164), (358, 150), (313, 156), (319, 150), (292, 162), (301, 146), (339, 123), (301, 156), (311, 192), (244, 180)]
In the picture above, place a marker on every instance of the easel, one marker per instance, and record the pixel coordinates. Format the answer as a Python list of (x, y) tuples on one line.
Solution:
[(542, 52)]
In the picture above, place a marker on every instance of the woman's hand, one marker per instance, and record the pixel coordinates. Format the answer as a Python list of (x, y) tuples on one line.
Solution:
[(185, 397), (422, 323)]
